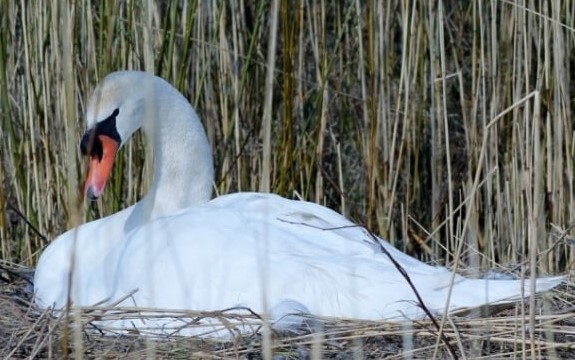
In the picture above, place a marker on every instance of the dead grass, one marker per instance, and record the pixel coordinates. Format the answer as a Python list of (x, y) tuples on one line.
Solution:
[(446, 127), (28, 332)]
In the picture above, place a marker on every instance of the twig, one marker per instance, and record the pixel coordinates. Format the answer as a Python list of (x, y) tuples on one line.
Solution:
[(23, 217), (14, 273)]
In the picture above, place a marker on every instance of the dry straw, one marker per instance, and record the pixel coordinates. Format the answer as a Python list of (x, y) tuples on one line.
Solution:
[(446, 127)]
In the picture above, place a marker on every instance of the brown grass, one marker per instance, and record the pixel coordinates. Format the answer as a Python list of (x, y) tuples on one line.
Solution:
[(446, 127), (27, 332)]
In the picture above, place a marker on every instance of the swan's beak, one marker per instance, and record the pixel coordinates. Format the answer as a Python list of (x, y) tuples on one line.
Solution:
[(100, 167)]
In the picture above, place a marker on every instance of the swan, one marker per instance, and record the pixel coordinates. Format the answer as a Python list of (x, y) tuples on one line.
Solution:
[(179, 249)]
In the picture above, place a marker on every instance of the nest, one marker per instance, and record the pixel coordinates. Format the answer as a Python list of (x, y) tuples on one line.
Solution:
[(489, 333)]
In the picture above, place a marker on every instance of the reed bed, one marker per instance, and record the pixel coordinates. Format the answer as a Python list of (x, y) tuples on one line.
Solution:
[(29, 333), (445, 127)]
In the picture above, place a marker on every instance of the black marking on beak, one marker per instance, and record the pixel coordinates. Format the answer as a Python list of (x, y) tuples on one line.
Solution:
[(91, 144)]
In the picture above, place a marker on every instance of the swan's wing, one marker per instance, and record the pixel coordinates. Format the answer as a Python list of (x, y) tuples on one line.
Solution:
[(262, 252), (258, 250)]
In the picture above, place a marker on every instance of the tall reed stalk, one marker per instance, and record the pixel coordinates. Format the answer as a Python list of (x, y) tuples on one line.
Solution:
[(377, 109), (446, 126)]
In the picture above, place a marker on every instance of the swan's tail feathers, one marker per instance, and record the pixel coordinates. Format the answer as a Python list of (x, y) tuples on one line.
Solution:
[(506, 293), (548, 283), (471, 293)]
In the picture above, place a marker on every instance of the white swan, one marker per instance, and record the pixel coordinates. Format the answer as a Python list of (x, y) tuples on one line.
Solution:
[(178, 249)]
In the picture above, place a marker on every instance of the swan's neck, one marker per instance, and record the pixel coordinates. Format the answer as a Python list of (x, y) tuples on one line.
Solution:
[(183, 167)]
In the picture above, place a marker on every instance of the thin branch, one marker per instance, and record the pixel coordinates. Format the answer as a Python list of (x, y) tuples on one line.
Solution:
[(32, 227)]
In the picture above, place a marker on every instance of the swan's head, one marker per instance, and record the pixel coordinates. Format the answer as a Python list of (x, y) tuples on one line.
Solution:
[(115, 111)]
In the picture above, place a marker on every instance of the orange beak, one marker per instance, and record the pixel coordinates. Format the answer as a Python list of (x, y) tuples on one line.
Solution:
[(100, 170)]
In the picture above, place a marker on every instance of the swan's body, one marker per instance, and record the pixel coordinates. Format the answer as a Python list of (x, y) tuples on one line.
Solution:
[(177, 249)]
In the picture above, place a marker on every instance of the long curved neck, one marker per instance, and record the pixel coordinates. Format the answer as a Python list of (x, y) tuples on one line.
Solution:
[(183, 166)]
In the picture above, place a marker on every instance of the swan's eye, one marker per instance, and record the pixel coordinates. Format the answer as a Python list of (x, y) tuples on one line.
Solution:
[(91, 144)]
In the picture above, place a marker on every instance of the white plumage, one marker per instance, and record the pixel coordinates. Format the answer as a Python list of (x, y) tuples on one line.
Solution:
[(177, 249)]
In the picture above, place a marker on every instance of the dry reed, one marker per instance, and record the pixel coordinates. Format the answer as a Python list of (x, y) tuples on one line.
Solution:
[(446, 127)]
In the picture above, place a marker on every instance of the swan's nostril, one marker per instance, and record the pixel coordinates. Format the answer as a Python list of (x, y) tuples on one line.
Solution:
[(91, 193)]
